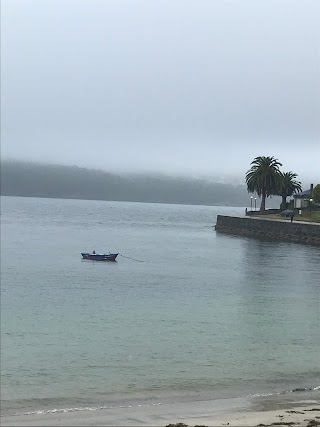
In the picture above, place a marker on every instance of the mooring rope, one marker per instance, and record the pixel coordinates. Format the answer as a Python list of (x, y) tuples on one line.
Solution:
[(133, 259)]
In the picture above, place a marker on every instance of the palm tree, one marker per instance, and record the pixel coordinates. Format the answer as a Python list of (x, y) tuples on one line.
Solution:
[(288, 186), (263, 178)]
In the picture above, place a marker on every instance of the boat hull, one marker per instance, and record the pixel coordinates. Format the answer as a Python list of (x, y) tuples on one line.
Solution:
[(99, 257)]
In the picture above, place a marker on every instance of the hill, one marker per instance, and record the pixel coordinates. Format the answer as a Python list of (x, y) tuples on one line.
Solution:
[(72, 182)]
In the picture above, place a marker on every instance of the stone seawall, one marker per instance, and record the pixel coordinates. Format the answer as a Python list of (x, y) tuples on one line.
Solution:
[(270, 229)]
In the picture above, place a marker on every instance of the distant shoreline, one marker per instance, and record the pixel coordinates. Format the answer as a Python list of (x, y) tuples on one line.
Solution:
[(120, 201), (23, 179)]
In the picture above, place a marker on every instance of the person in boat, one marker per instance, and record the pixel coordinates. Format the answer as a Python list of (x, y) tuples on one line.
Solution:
[(94, 252)]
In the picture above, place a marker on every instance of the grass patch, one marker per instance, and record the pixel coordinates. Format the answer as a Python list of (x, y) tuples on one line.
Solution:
[(315, 217)]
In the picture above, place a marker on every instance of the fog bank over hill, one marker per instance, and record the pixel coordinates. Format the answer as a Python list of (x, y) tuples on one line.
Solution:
[(188, 87), (72, 182)]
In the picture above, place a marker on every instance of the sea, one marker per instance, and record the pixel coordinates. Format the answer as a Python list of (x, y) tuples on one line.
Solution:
[(185, 314)]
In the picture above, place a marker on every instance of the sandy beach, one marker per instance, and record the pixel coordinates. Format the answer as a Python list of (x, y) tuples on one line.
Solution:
[(295, 409), (298, 416)]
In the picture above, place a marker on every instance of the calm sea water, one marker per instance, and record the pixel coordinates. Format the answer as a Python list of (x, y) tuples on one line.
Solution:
[(203, 316)]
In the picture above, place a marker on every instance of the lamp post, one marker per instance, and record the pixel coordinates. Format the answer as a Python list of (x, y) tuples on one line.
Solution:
[(251, 203), (255, 204), (310, 205)]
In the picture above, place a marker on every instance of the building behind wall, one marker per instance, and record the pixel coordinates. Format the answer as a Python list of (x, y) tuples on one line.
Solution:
[(301, 200)]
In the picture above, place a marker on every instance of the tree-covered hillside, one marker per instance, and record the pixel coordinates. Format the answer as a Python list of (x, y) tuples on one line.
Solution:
[(41, 180)]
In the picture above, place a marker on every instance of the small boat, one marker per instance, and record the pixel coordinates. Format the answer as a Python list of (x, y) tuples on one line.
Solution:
[(99, 257)]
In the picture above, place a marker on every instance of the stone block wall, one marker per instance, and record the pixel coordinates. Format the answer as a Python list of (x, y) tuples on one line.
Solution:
[(269, 229)]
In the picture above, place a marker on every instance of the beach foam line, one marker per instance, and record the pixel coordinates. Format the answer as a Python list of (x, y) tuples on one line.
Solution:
[(81, 409), (295, 390)]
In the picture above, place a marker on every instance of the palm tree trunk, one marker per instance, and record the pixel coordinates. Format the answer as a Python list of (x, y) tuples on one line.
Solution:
[(284, 202), (263, 201)]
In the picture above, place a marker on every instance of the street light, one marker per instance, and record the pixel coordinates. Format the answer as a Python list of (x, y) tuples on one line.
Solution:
[(255, 203), (310, 205), (251, 203)]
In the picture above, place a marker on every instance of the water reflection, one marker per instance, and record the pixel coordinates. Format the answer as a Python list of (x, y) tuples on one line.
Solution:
[(279, 290)]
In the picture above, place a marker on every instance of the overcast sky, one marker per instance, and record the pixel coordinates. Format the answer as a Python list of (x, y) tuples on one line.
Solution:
[(181, 86)]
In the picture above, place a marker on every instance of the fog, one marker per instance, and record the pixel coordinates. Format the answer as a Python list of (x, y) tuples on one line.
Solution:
[(196, 88)]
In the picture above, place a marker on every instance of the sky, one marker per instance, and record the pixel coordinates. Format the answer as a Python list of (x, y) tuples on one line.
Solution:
[(184, 87)]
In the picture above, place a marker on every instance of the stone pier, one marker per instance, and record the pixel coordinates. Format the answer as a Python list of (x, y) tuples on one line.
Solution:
[(265, 228)]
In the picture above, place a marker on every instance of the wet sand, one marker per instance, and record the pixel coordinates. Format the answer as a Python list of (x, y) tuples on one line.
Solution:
[(295, 409)]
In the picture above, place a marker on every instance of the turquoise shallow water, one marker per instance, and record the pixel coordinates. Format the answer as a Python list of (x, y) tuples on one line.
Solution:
[(204, 316)]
